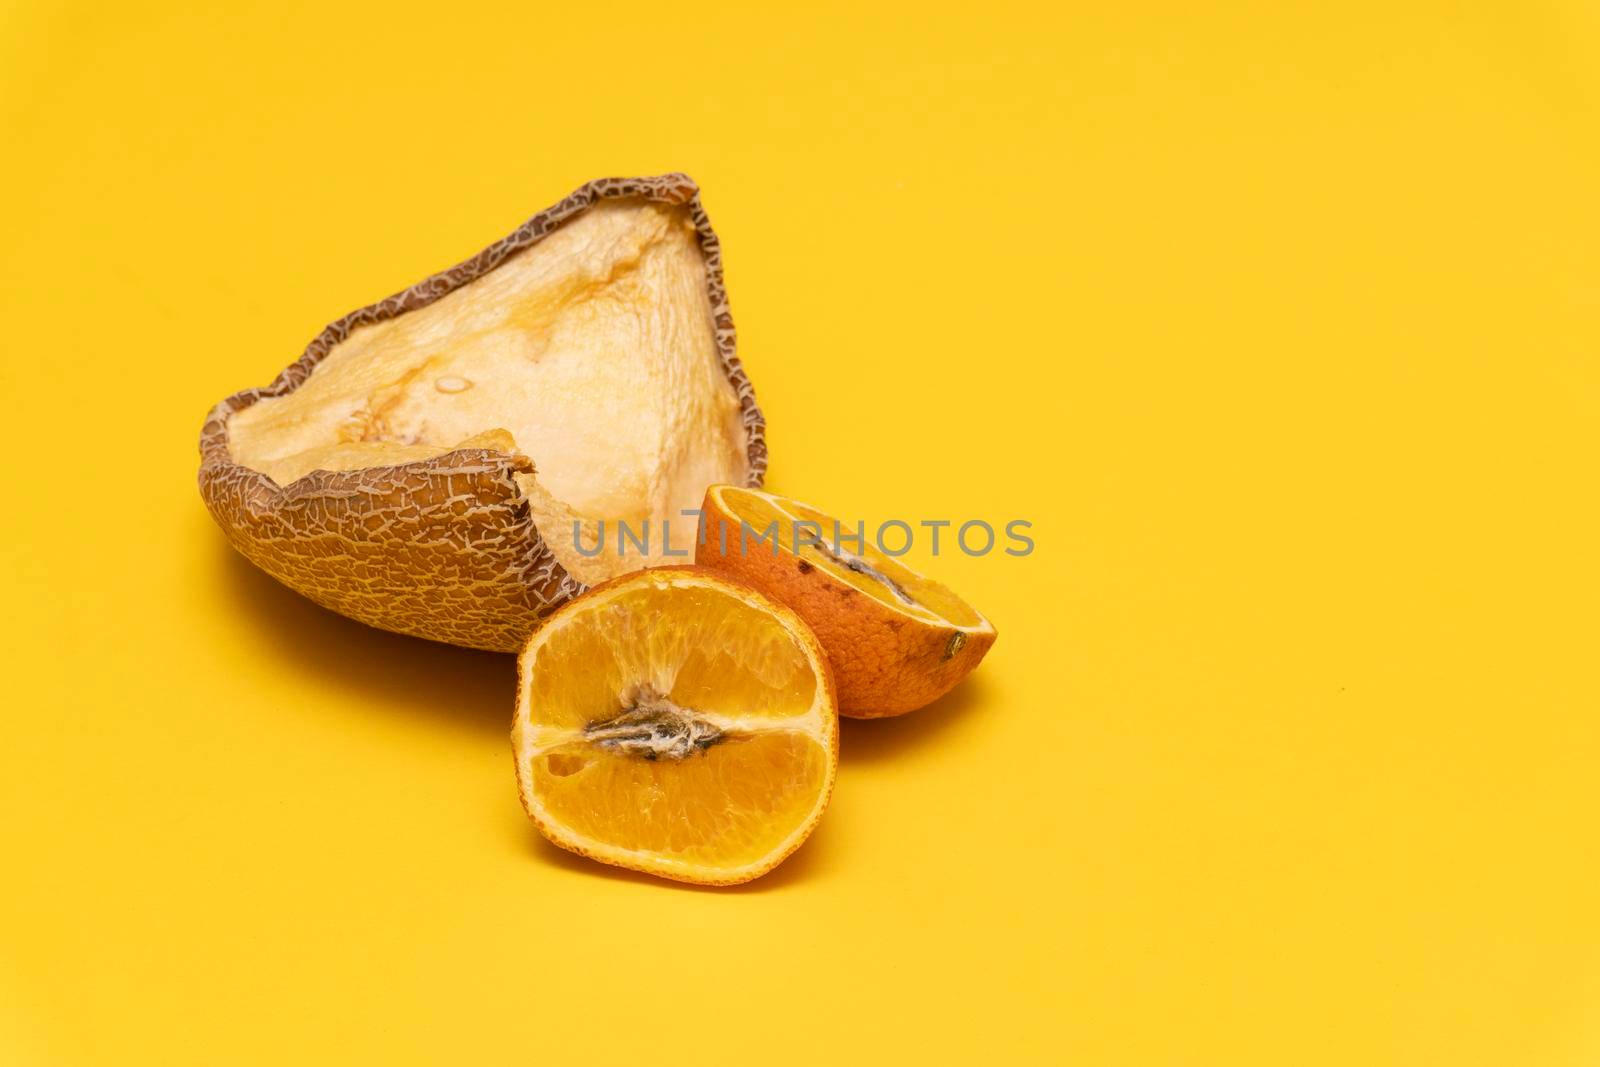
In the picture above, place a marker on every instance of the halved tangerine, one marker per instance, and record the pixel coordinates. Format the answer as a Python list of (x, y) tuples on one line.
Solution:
[(896, 639), (676, 723)]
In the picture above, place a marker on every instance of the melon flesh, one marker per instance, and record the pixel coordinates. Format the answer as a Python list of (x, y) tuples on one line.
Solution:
[(592, 352)]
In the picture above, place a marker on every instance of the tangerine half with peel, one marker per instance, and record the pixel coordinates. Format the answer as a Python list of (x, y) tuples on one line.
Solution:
[(896, 640), (677, 723)]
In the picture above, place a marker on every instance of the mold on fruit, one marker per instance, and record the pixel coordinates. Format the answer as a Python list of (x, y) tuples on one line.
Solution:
[(652, 727)]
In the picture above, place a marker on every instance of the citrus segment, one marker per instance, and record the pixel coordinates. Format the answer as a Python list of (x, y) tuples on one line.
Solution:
[(725, 807)]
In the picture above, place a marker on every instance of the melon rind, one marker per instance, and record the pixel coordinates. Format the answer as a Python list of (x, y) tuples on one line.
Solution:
[(443, 548)]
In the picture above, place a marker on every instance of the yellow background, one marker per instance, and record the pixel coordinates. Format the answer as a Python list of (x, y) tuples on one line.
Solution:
[(1279, 322)]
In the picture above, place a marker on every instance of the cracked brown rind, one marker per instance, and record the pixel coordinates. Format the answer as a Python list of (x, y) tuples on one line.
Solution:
[(444, 548)]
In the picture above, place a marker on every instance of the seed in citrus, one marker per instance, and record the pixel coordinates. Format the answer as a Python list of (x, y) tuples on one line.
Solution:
[(677, 723), (896, 640)]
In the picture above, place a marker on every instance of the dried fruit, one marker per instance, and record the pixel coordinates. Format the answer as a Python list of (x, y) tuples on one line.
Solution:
[(422, 466), (673, 722), (896, 640)]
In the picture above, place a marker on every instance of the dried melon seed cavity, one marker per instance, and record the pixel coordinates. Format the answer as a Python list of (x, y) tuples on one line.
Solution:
[(593, 353)]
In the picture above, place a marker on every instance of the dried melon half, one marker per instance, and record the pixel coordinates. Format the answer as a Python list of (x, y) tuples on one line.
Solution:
[(424, 466)]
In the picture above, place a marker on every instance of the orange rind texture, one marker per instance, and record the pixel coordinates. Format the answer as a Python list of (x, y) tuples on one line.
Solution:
[(896, 640)]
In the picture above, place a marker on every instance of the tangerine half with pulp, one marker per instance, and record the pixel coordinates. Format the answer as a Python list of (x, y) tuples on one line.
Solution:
[(674, 722)]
